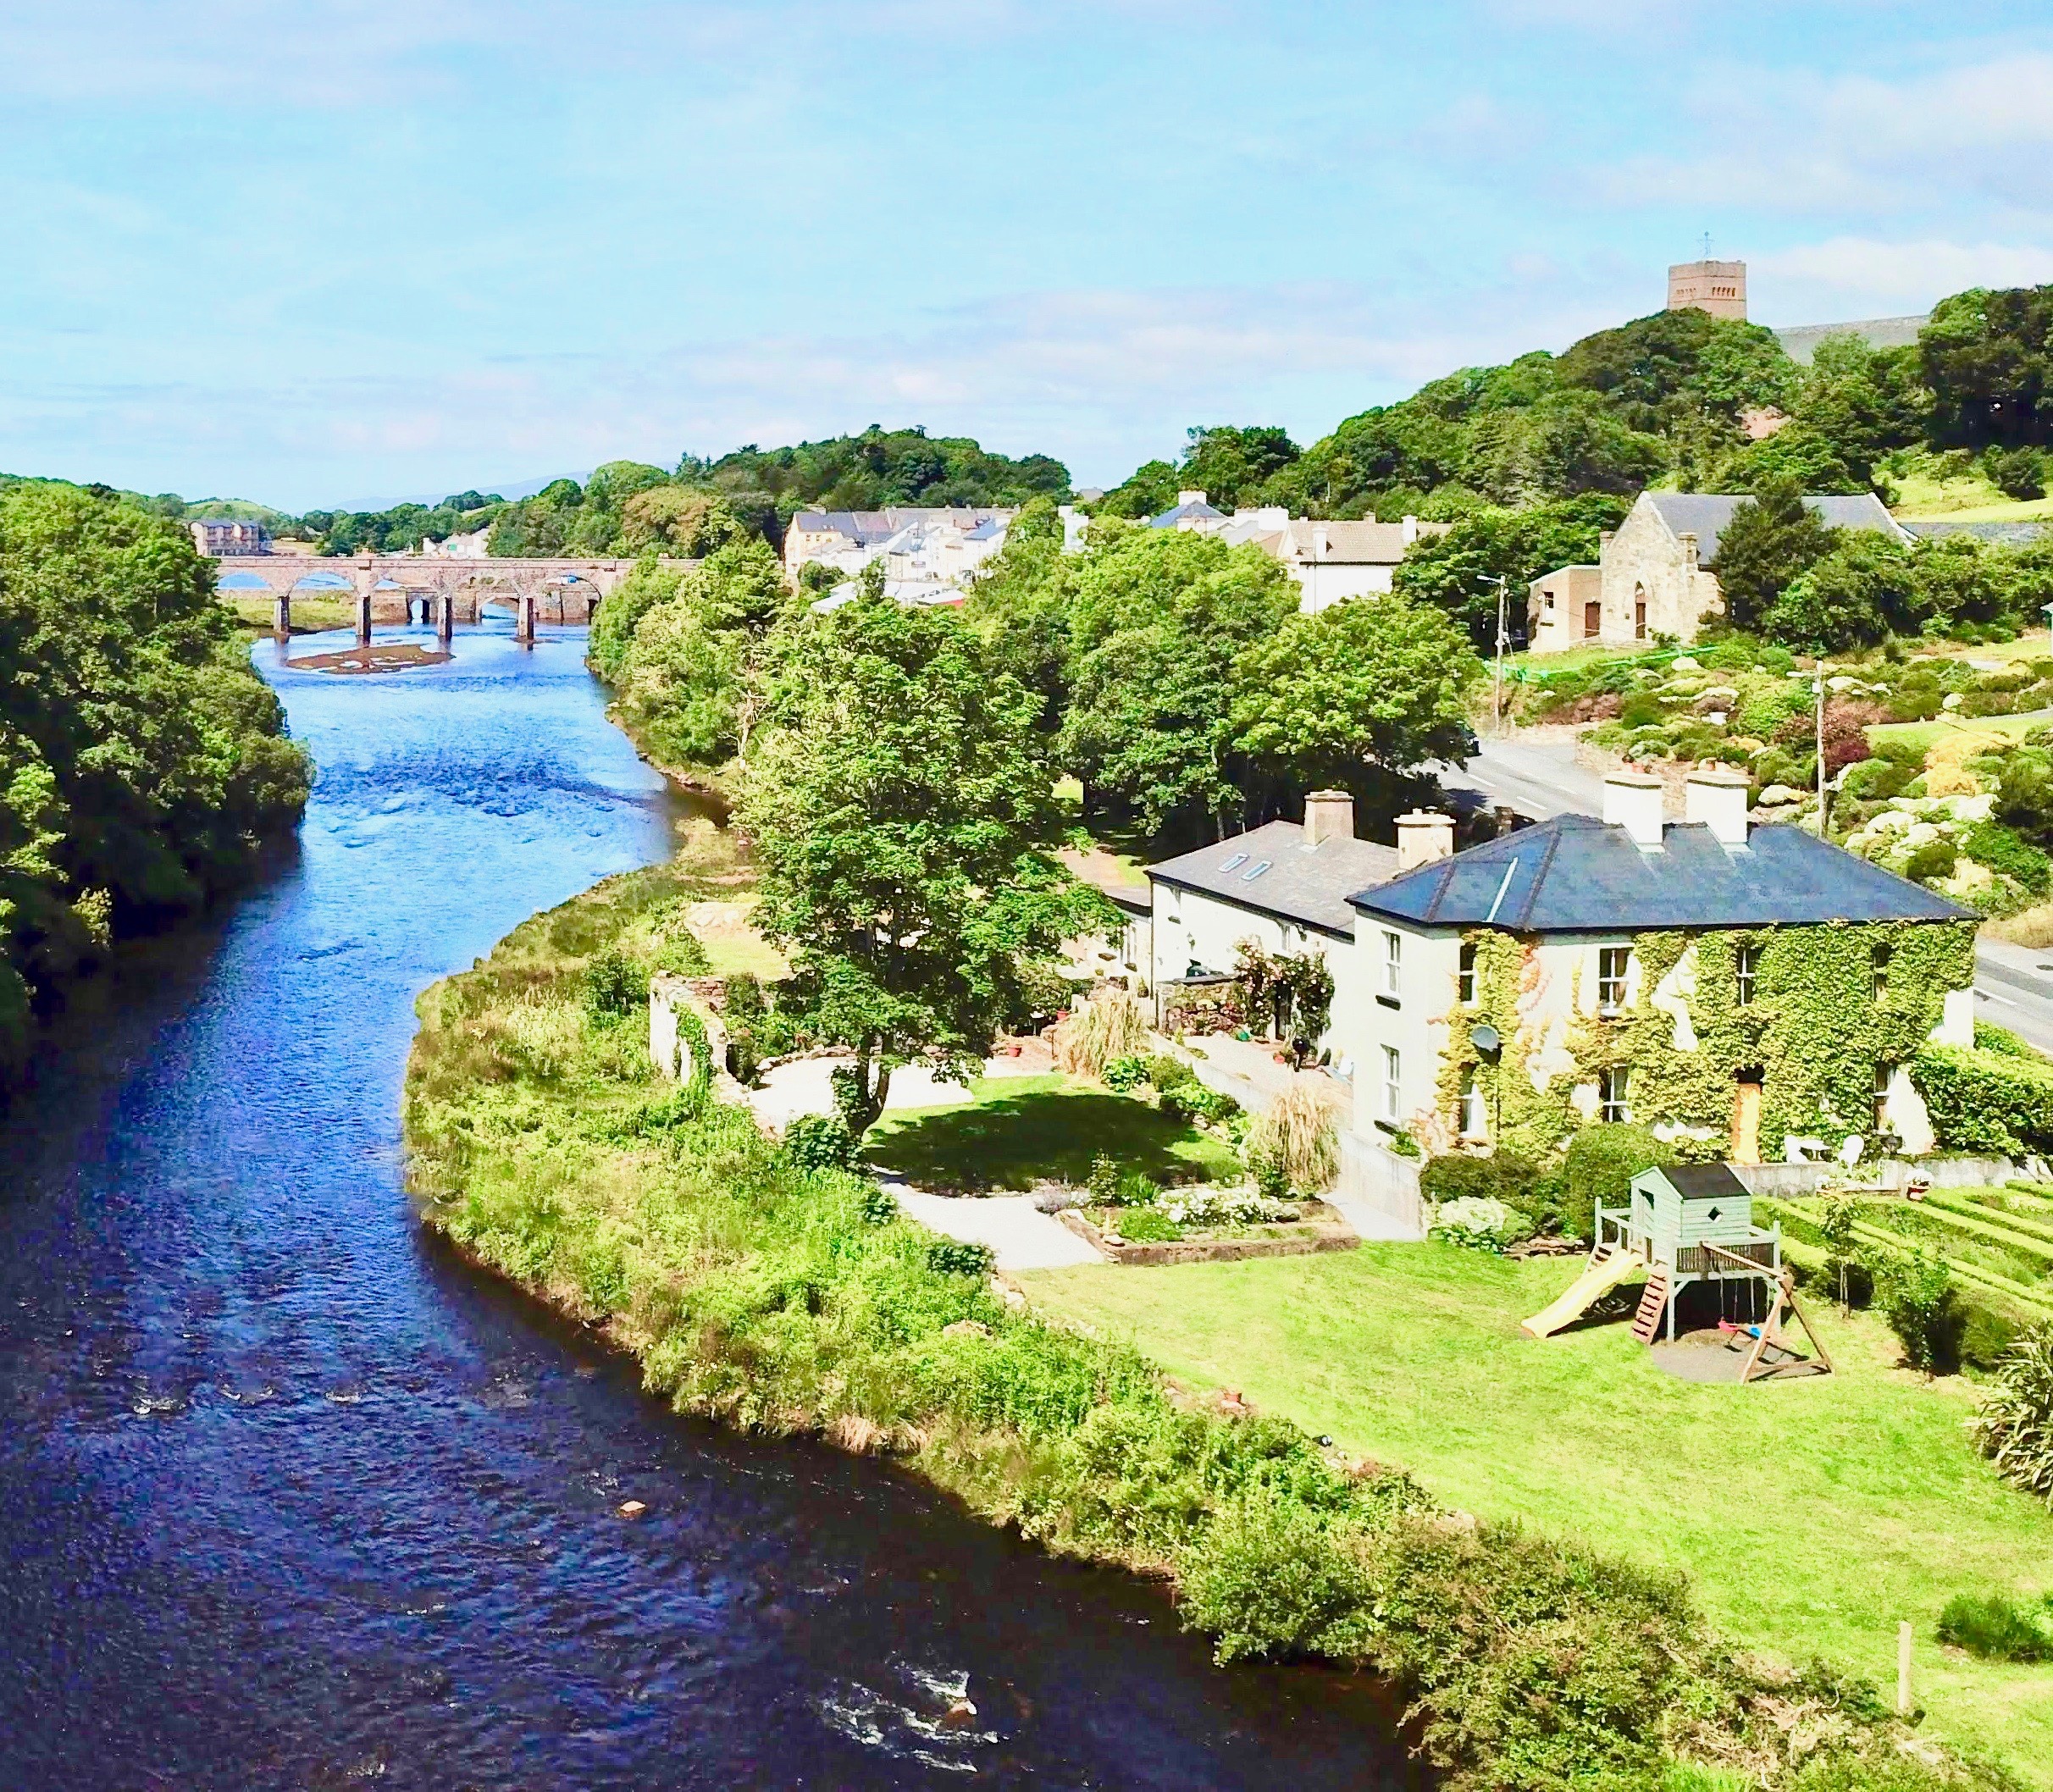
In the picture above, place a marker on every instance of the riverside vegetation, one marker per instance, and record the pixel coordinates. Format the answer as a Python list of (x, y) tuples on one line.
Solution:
[(142, 762), (794, 1300)]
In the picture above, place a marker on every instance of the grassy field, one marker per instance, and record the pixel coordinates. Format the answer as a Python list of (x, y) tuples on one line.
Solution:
[(1962, 498), (1020, 1129), (258, 609), (1925, 735), (1812, 1515)]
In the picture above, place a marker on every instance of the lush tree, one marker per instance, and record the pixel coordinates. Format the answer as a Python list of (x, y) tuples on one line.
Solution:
[(1355, 693), (1771, 540), (1457, 572), (676, 519), (1157, 619), (1149, 490), (1862, 591), (142, 762), (1988, 357), (901, 819), (1565, 445), (1232, 466)]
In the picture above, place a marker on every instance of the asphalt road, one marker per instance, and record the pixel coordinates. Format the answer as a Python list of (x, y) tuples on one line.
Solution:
[(2013, 985)]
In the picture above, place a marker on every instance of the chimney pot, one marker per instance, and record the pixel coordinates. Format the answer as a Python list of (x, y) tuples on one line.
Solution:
[(1424, 836), (1329, 815), (1717, 800), (1632, 800), (1189, 497)]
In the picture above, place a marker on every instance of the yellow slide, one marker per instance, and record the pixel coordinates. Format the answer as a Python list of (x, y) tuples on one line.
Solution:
[(1600, 1278)]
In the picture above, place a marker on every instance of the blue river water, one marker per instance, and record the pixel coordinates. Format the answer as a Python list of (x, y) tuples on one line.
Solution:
[(291, 1497)]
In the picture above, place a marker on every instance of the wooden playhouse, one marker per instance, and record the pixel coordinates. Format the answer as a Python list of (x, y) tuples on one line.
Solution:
[(1685, 1224)]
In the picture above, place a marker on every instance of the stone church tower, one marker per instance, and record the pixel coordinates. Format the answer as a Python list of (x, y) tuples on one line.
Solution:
[(1718, 287)]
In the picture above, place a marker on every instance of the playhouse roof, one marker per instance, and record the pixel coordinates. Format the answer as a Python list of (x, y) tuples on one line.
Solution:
[(1700, 1182)]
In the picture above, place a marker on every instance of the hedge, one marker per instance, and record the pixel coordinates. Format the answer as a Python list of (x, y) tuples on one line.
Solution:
[(1986, 1101)]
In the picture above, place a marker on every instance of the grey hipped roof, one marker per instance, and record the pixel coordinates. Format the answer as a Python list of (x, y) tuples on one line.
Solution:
[(1704, 514), (1194, 512), (1577, 874), (1311, 885)]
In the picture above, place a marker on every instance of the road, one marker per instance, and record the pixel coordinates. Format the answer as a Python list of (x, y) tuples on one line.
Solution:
[(2013, 985)]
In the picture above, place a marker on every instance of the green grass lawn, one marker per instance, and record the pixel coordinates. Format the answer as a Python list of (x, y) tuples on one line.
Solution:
[(1019, 1129), (1964, 499), (1925, 735), (1812, 1515)]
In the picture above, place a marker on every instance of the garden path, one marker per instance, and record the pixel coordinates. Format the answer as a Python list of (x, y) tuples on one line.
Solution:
[(1020, 1237)]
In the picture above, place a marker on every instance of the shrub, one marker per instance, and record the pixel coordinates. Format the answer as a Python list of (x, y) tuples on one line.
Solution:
[(851, 1098), (2003, 850), (1922, 1309), (955, 1257), (1274, 1577), (879, 1206), (1503, 1177), (1475, 1222), (1148, 1225), (820, 1141), (744, 997), (1598, 1170), (1100, 1029), (1985, 1101), (683, 954), (1296, 1144), (1125, 1075), (2017, 473), (1997, 1627), (2014, 1424), (614, 985), (1167, 1073)]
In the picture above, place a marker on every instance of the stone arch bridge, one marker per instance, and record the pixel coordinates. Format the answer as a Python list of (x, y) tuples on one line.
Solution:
[(388, 586)]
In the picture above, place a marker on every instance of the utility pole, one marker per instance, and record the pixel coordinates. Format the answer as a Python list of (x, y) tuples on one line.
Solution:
[(1819, 687)]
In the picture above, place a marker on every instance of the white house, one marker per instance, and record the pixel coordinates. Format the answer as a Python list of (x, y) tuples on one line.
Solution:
[(1328, 561), (924, 546), (1577, 894), (1285, 886)]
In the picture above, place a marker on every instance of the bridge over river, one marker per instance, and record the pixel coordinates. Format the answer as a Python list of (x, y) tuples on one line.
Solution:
[(388, 586)]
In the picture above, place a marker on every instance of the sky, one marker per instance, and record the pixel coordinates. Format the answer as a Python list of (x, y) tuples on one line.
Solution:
[(318, 253)]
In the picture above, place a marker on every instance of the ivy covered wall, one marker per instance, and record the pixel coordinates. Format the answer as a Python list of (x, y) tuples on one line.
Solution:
[(1814, 1028)]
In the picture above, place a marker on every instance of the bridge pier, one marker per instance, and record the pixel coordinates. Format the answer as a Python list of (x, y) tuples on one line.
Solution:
[(446, 619), (524, 627), (281, 616), (363, 619)]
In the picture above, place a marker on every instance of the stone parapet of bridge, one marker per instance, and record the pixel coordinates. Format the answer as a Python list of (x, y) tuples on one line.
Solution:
[(558, 590)]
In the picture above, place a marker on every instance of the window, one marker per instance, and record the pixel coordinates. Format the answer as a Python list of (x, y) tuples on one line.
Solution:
[(1234, 862), (1878, 961), (1474, 1115), (1394, 965), (1746, 970), (1393, 1084), (1612, 1107), (1611, 963), (1464, 982), (1884, 1075), (1255, 870)]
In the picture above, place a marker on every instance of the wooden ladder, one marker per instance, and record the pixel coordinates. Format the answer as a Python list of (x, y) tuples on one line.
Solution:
[(1653, 1303)]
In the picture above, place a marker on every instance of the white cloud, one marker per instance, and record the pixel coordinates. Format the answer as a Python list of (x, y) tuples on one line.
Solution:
[(1852, 277)]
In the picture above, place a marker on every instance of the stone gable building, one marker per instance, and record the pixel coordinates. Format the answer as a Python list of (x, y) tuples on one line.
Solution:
[(1653, 574)]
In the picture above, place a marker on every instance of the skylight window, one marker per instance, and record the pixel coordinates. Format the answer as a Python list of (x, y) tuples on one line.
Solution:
[(1237, 859), (1249, 875)]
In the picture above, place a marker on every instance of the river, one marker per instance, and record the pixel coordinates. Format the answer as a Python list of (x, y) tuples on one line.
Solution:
[(291, 1497)]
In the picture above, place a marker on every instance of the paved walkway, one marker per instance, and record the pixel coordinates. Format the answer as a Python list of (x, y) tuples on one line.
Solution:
[(1020, 1235)]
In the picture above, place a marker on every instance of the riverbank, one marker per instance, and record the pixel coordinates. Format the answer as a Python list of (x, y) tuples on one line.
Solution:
[(796, 1301)]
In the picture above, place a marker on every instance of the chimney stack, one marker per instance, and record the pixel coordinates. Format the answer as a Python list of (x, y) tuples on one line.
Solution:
[(1329, 815), (1718, 798), (1411, 530), (1189, 496), (1424, 836), (1632, 800)]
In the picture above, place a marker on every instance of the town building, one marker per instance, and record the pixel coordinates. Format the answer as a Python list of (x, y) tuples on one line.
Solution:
[(1653, 576), (476, 544), (929, 546), (1328, 561), (1285, 887), (219, 537), (1730, 985), (1718, 287)]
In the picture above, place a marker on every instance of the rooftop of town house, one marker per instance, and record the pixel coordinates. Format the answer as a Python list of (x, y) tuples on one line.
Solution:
[(1350, 544), (1271, 869), (1704, 514), (1578, 875), (870, 526), (1190, 507)]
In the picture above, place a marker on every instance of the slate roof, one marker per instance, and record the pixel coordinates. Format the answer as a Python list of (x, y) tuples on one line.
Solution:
[(2003, 534), (1311, 885), (1350, 544), (1704, 1181), (1577, 874), (1704, 514), (1183, 512)]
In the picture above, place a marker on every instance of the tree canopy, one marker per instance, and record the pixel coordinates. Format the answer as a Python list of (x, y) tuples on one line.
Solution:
[(900, 818), (142, 762)]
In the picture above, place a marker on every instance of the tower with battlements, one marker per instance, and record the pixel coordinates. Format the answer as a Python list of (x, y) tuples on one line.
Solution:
[(1718, 287)]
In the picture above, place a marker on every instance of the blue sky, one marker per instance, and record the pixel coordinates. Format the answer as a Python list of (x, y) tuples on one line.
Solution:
[(335, 250)]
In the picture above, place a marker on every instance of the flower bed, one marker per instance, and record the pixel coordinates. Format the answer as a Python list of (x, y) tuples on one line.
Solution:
[(1313, 1226)]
